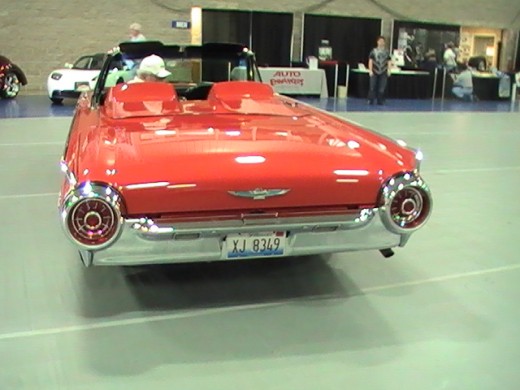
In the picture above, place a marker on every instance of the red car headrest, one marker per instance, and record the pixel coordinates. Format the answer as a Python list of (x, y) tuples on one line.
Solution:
[(137, 92), (142, 99), (238, 90)]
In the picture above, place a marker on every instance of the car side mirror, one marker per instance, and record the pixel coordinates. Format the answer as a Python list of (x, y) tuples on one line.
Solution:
[(68, 66)]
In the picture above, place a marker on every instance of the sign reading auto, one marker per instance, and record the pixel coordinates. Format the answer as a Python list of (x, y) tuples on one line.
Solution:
[(287, 78), (296, 81)]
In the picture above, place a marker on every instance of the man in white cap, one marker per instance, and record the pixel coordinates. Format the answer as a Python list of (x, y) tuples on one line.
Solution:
[(151, 68), (135, 33)]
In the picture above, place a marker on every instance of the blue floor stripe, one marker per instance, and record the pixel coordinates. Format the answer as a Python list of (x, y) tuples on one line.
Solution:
[(411, 105), (41, 106), (35, 107)]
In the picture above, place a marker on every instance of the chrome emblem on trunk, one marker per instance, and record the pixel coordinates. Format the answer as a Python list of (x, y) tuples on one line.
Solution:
[(259, 193)]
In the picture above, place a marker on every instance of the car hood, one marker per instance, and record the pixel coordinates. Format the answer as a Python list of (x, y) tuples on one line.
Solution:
[(201, 162)]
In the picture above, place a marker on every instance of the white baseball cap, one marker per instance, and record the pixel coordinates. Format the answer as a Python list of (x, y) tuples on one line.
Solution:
[(154, 65)]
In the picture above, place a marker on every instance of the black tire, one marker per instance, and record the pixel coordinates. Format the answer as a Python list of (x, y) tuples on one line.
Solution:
[(56, 100), (12, 86), (120, 81)]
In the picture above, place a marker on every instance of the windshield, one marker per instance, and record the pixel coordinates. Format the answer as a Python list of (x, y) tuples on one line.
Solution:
[(186, 68), (82, 63), (94, 62)]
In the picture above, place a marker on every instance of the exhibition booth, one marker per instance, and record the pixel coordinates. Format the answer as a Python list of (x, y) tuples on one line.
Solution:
[(404, 84), (334, 54), (419, 45)]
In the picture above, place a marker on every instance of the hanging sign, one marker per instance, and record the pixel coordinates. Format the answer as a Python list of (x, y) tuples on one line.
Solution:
[(181, 24)]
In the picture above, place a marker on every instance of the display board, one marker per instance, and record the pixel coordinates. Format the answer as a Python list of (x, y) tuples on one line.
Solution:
[(296, 81), (268, 34), (351, 39)]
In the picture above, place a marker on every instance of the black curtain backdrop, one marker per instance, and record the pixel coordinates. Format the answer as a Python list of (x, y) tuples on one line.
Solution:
[(226, 26), (351, 39), (272, 36), (268, 34), (517, 63)]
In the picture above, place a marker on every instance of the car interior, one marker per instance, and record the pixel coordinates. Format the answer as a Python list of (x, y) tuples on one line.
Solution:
[(193, 71)]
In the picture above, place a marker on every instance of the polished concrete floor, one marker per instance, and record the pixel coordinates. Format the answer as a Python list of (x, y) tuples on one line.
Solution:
[(443, 313)]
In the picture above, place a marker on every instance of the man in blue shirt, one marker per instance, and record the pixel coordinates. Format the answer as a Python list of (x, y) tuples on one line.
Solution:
[(379, 63)]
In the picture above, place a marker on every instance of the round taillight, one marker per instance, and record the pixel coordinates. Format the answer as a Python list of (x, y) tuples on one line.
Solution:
[(92, 222), (406, 203), (409, 208), (92, 215)]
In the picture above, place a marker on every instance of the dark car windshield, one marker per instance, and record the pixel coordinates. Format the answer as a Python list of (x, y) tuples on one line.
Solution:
[(188, 67), (94, 62)]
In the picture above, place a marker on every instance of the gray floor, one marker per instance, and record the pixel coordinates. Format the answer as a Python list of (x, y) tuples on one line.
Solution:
[(442, 314)]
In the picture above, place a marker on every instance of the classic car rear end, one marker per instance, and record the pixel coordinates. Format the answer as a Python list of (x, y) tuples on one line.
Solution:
[(151, 178)]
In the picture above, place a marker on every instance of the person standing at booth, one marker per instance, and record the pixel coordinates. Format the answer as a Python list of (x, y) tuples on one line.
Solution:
[(379, 65), (450, 57)]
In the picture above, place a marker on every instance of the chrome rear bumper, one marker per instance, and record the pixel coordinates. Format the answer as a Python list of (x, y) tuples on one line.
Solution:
[(143, 241)]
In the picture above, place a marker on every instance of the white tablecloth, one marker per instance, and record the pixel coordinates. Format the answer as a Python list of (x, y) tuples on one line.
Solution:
[(296, 81)]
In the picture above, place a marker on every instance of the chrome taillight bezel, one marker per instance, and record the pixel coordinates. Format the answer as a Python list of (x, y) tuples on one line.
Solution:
[(100, 193), (417, 198)]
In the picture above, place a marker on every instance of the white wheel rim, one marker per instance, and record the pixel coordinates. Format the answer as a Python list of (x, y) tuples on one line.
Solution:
[(11, 85)]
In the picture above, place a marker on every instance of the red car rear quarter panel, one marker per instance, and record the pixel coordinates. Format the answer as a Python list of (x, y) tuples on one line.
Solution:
[(186, 162), (83, 135)]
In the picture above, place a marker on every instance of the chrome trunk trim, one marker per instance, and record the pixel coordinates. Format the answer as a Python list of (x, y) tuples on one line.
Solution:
[(259, 193), (149, 229), (143, 241)]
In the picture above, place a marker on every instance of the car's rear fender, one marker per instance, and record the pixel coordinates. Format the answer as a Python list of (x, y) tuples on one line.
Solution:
[(19, 73)]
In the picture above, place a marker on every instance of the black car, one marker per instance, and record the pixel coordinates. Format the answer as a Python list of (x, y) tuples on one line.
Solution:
[(11, 78)]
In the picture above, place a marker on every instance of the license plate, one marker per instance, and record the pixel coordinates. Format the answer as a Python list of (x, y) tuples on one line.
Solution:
[(255, 245), (81, 85)]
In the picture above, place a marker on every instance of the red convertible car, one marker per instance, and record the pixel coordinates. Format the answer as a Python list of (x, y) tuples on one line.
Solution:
[(200, 167)]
